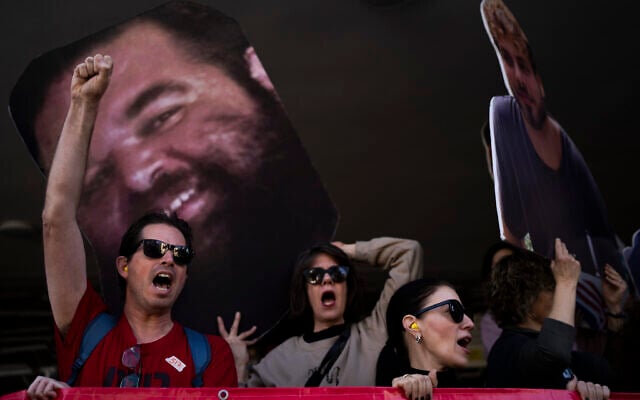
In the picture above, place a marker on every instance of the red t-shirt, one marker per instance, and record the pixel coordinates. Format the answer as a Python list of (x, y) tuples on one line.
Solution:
[(167, 362)]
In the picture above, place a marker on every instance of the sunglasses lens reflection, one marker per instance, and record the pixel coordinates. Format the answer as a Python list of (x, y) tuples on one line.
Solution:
[(337, 273), (152, 248), (181, 255), (130, 381), (156, 249), (131, 360), (457, 311), (131, 357)]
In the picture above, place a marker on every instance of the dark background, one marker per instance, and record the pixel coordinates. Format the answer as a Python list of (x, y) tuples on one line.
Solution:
[(388, 101)]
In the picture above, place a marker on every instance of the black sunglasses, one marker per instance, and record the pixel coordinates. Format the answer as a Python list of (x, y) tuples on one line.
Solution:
[(456, 309), (314, 275), (131, 360), (153, 248)]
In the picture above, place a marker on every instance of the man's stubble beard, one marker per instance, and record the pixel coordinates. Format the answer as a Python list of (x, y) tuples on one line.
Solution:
[(536, 119)]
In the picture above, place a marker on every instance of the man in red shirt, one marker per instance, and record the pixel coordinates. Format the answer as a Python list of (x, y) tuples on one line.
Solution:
[(146, 347)]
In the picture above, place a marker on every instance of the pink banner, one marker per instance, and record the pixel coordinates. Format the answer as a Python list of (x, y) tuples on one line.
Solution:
[(352, 393)]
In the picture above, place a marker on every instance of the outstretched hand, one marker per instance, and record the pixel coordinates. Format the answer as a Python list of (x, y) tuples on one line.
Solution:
[(91, 78), (238, 343), (45, 388)]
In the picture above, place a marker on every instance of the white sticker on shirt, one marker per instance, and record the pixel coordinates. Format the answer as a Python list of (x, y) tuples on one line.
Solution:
[(176, 363)]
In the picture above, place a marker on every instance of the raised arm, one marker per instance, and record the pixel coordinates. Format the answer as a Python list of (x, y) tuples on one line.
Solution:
[(566, 271), (552, 348), (404, 260), (64, 255)]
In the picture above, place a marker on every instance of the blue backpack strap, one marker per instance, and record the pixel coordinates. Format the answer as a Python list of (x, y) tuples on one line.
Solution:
[(200, 354), (96, 330)]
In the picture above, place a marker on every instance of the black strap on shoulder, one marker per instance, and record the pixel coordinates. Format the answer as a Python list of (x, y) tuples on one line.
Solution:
[(96, 330), (329, 359)]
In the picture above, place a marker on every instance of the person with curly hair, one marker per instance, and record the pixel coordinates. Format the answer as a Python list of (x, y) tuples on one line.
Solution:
[(489, 329), (533, 300)]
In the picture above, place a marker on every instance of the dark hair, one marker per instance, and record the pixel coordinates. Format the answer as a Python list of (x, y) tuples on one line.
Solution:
[(204, 34), (133, 235), (408, 300), (487, 260), (487, 266), (516, 282), (299, 303)]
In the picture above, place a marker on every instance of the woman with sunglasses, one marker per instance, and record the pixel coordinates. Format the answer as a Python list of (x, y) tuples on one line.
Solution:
[(429, 333), (335, 347), (533, 301)]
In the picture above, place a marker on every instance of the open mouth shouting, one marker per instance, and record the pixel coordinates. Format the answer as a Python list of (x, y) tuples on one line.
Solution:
[(163, 281), (464, 343), (328, 298)]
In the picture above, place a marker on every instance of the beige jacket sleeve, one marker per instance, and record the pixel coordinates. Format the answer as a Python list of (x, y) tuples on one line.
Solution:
[(404, 260)]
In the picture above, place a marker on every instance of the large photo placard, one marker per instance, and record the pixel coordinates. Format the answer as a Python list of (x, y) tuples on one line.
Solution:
[(543, 187), (191, 124)]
